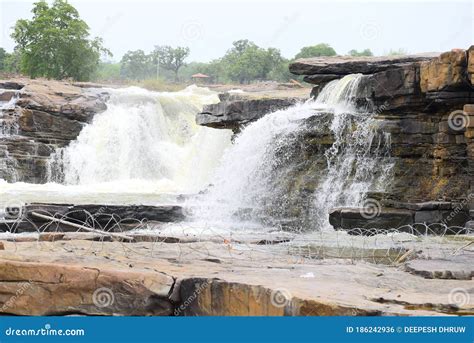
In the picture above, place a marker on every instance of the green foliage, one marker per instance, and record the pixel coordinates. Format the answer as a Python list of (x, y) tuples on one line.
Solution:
[(13, 62), (9, 62), (398, 52), (55, 43), (170, 58), (321, 49), (108, 71), (3, 56), (246, 62), (243, 63), (365, 52), (136, 65)]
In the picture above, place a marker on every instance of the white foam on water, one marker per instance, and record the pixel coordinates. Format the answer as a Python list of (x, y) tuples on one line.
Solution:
[(244, 181), (143, 149)]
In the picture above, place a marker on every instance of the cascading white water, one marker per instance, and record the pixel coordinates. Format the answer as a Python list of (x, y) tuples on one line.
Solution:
[(144, 140), (8, 127), (245, 179)]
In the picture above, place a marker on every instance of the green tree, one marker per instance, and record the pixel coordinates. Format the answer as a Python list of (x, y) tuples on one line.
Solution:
[(170, 58), (246, 62), (12, 62), (108, 71), (3, 57), (55, 43), (321, 49), (365, 52), (135, 65)]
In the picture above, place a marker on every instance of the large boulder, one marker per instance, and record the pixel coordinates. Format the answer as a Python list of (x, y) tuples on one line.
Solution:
[(234, 111)]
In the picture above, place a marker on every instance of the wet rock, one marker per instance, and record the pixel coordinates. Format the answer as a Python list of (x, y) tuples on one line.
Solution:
[(103, 217), (234, 112), (403, 218), (47, 115), (12, 84), (360, 218)]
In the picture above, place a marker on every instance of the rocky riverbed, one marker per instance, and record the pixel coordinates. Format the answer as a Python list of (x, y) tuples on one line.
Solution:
[(75, 274), (411, 254)]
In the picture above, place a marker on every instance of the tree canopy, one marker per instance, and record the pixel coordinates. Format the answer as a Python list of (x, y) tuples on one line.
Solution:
[(365, 52), (318, 50), (55, 43), (135, 65), (246, 62), (170, 58)]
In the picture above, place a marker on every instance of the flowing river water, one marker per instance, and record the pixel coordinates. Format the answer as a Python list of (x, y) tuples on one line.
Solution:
[(147, 149)]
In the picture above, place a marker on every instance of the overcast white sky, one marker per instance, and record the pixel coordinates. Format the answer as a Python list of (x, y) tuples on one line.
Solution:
[(210, 27)]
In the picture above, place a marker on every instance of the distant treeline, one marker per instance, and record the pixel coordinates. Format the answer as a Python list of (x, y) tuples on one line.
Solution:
[(56, 44)]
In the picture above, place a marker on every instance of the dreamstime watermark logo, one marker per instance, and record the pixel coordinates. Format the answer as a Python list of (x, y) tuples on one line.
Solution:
[(280, 297), (459, 297), (189, 300), (103, 297), (370, 209), (19, 292), (458, 120), (369, 31), (192, 31), (458, 208), (12, 209)]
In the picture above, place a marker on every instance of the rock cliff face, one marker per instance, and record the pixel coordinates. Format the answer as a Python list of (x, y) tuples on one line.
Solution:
[(36, 117), (423, 102)]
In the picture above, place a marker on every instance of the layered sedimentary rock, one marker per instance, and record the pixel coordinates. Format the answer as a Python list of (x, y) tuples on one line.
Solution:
[(235, 110), (36, 117), (422, 107), (37, 217), (421, 101)]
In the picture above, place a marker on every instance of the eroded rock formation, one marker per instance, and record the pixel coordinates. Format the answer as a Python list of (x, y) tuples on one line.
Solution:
[(37, 117), (423, 102)]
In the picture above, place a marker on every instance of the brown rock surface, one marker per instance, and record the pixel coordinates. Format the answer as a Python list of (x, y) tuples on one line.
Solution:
[(45, 115), (446, 71), (206, 278)]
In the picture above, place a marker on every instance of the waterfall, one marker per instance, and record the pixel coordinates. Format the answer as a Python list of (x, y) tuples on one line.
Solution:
[(251, 182), (8, 126), (8, 130), (144, 140)]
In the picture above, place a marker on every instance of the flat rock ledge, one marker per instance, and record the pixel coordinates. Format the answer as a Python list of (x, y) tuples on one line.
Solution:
[(81, 277), (344, 65), (235, 110), (430, 217), (105, 217)]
